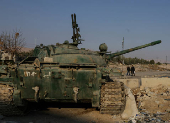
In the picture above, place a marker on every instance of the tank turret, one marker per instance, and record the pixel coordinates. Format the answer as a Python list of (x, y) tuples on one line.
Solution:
[(66, 42), (68, 53), (103, 47)]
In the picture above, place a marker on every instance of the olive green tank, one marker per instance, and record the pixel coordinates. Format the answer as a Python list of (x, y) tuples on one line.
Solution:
[(64, 73)]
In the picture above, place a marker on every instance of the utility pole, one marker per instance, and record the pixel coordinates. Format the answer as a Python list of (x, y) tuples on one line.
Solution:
[(35, 41), (122, 49), (166, 62), (122, 54), (157, 59)]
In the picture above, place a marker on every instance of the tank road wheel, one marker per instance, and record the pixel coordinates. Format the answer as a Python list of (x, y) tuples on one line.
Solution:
[(112, 98), (7, 106)]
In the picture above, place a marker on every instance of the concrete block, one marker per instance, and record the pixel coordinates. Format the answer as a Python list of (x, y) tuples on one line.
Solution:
[(131, 83), (153, 82)]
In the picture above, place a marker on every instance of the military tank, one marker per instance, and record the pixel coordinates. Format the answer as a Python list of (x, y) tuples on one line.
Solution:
[(63, 73)]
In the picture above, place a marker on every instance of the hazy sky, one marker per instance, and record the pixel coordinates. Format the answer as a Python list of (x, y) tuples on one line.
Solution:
[(100, 21)]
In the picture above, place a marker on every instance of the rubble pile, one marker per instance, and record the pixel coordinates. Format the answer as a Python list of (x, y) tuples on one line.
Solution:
[(155, 100), (141, 68), (156, 67), (165, 66), (147, 118), (151, 67)]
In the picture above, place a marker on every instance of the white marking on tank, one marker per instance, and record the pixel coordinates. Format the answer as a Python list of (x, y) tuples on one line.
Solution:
[(26, 73), (33, 73), (47, 75)]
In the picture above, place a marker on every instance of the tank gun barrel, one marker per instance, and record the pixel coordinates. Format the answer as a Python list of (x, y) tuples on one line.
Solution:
[(109, 56)]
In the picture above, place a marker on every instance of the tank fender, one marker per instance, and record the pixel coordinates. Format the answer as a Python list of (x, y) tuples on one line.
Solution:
[(17, 97)]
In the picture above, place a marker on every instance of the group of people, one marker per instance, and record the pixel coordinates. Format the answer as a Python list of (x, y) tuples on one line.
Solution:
[(132, 70)]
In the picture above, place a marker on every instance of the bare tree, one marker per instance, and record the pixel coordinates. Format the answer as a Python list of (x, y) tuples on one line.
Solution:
[(12, 42)]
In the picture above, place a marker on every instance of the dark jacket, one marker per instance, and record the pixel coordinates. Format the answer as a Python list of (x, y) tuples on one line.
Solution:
[(128, 68), (132, 68)]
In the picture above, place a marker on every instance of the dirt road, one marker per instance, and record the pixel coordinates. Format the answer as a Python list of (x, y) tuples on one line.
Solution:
[(63, 115)]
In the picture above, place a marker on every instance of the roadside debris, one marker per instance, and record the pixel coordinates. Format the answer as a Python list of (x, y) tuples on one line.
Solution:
[(153, 104)]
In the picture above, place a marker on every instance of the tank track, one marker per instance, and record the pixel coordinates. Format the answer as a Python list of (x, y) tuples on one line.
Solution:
[(112, 98), (7, 107)]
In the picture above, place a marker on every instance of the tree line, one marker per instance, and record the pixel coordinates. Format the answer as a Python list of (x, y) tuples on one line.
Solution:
[(129, 61)]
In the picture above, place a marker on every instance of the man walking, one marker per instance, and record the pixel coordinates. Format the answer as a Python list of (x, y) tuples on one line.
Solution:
[(133, 70), (128, 70)]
